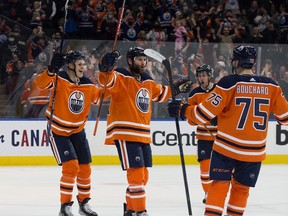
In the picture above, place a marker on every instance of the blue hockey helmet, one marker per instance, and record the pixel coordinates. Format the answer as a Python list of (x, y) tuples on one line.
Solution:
[(134, 52), (204, 68), (246, 55), (74, 55)]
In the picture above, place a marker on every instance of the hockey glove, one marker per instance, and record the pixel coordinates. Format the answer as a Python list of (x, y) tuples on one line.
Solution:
[(214, 121), (183, 86), (177, 109), (109, 61), (56, 63)]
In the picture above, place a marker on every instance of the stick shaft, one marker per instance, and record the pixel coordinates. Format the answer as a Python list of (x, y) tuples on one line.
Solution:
[(209, 131), (57, 75), (105, 85), (168, 67)]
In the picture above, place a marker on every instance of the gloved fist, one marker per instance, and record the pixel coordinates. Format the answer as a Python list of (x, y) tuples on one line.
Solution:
[(214, 121), (183, 86), (109, 61), (56, 63), (177, 109)]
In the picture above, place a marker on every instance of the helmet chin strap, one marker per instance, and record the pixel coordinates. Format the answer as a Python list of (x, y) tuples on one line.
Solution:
[(77, 79), (209, 86), (74, 70)]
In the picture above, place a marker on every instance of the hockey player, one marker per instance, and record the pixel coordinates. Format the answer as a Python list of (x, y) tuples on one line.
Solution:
[(74, 95), (132, 91), (243, 102), (205, 133)]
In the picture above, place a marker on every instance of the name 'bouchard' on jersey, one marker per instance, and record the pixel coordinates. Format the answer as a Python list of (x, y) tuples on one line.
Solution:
[(252, 89)]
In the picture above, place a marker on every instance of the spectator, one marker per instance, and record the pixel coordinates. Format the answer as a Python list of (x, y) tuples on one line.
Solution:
[(257, 36), (15, 10), (49, 7), (261, 19), (233, 6), (36, 99), (108, 26), (39, 53), (37, 15), (86, 21), (56, 41), (157, 36), (165, 15), (220, 71), (284, 84), (4, 28), (13, 68), (283, 19), (180, 33), (130, 28), (252, 12), (226, 39), (267, 70)]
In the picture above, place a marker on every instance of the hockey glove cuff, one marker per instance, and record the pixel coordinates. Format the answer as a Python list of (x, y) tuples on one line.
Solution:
[(109, 61), (177, 109), (214, 121), (183, 86), (56, 63)]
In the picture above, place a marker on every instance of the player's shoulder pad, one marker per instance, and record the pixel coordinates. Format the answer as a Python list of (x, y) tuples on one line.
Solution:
[(123, 71), (231, 80), (195, 91), (146, 76), (267, 80), (85, 80)]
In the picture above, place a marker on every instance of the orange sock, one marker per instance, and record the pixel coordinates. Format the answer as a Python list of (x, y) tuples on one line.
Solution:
[(70, 170), (84, 182), (135, 193), (216, 198), (204, 174), (238, 198)]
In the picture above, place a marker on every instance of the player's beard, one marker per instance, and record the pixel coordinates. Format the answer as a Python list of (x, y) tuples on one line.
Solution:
[(136, 69)]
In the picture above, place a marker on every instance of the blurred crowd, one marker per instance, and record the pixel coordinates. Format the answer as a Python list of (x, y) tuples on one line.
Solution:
[(188, 32)]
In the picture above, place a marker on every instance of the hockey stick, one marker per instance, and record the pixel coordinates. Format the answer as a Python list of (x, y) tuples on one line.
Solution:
[(57, 75), (160, 58), (106, 81), (183, 100), (209, 131)]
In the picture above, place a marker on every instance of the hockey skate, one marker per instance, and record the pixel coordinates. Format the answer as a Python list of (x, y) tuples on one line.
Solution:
[(85, 209), (142, 213), (205, 197), (128, 212), (66, 209)]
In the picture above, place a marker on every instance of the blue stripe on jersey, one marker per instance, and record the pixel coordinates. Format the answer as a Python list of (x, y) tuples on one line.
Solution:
[(228, 81)]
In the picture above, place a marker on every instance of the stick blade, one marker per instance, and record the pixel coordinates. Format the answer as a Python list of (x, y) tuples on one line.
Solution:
[(154, 55)]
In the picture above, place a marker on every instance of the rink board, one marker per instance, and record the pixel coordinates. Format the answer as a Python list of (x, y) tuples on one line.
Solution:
[(24, 143)]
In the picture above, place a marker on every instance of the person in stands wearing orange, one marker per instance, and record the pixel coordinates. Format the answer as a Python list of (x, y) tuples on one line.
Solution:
[(67, 137), (37, 99), (242, 102)]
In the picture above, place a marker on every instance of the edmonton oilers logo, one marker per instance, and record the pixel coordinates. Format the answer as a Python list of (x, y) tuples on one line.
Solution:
[(76, 102), (143, 100)]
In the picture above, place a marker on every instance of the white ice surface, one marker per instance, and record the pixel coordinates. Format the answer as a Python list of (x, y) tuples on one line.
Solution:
[(34, 191)]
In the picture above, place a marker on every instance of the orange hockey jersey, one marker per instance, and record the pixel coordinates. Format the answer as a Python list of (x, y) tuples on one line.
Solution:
[(72, 104), (131, 105), (196, 96), (243, 104), (36, 95)]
